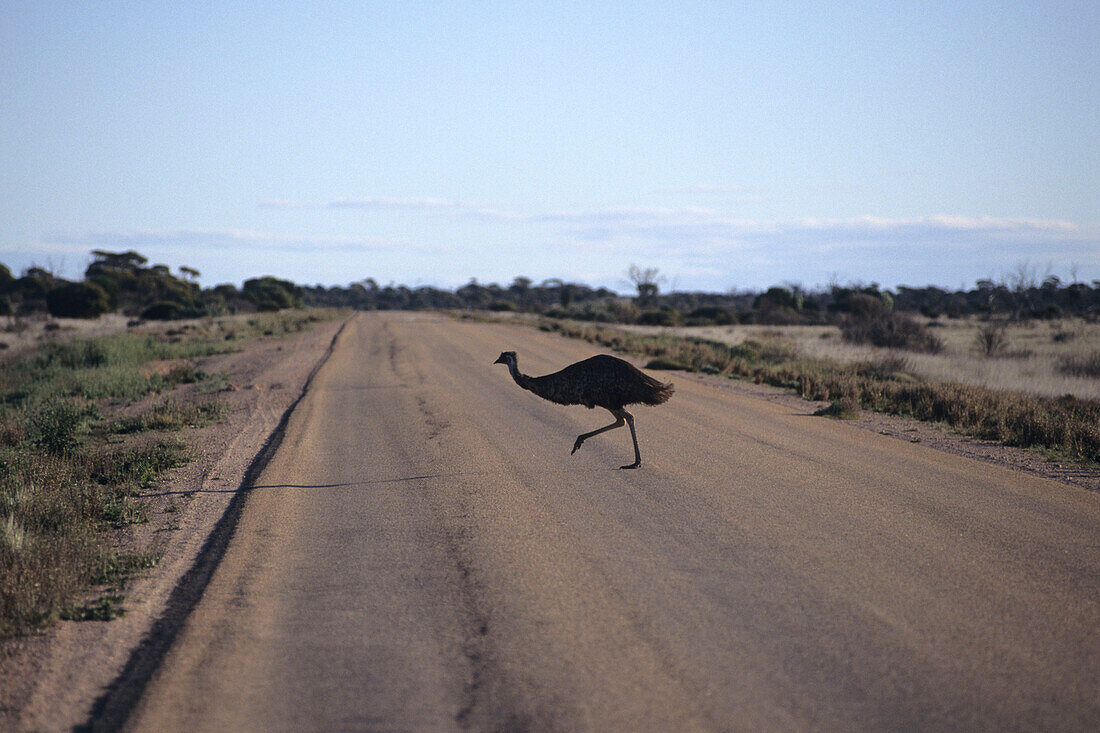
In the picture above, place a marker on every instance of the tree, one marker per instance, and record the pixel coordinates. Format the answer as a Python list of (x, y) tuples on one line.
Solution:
[(130, 260), (520, 287), (645, 280)]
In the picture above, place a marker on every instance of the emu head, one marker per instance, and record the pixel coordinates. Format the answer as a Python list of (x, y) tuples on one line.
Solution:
[(506, 357)]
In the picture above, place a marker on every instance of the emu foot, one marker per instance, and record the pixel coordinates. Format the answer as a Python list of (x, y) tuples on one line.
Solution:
[(576, 445), (632, 465)]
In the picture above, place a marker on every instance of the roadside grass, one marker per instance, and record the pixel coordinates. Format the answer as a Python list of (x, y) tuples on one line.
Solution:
[(73, 468), (1064, 426), (1044, 358), (172, 415), (844, 409)]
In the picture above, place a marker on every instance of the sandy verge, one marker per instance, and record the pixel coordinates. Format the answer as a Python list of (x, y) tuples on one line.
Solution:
[(52, 681)]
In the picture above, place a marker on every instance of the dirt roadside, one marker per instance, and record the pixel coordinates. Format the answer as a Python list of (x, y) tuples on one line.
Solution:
[(932, 435), (54, 680)]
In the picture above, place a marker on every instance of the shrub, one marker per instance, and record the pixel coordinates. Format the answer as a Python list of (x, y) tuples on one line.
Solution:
[(1067, 426), (845, 408), (78, 300), (710, 314), (1087, 365), (891, 330), (662, 363), (991, 339), (164, 310), (892, 366), (54, 426), (662, 317)]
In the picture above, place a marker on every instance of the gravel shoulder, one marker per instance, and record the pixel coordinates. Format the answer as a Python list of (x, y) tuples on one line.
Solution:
[(53, 680)]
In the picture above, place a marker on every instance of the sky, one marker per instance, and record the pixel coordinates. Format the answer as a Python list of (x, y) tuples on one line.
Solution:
[(729, 145)]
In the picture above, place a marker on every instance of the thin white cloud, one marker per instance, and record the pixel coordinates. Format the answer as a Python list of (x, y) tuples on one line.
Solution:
[(283, 204), (720, 189), (419, 204), (686, 220), (942, 222), (386, 202), (229, 239)]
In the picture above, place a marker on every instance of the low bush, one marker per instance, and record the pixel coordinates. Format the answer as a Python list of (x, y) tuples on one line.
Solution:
[(843, 409), (78, 300), (991, 338), (892, 330), (661, 317), (1083, 365), (709, 315)]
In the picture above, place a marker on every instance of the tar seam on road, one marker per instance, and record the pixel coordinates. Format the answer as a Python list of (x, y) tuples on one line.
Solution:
[(113, 708)]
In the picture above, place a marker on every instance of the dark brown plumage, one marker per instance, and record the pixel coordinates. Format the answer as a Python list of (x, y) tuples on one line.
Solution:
[(600, 381)]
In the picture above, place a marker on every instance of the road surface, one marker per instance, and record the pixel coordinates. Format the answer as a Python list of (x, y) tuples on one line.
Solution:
[(422, 553)]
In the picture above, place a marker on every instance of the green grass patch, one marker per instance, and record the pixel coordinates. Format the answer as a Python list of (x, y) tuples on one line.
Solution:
[(117, 569), (172, 415), (109, 368), (105, 608)]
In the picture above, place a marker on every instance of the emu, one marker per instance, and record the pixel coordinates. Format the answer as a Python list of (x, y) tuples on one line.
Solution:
[(604, 381)]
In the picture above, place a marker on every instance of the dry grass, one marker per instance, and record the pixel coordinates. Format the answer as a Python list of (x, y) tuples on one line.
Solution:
[(1043, 358)]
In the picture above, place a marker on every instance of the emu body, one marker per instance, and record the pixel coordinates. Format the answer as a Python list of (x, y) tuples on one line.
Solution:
[(600, 381)]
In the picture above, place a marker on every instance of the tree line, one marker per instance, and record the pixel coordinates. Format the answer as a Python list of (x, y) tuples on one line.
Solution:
[(125, 282)]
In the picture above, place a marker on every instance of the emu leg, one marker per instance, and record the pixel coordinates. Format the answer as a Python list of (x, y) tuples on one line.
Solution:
[(581, 438), (634, 437)]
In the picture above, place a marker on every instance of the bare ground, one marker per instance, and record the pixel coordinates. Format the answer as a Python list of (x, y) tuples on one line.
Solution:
[(52, 680)]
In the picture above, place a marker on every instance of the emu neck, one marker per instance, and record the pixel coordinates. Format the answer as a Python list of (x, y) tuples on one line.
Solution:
[(521, 379)]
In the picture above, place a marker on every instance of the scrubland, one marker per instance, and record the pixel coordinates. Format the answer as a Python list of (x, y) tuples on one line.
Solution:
[(1045, 358), (88, 424)]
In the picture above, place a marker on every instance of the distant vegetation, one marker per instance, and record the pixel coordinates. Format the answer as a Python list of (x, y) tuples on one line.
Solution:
[(125, 282)]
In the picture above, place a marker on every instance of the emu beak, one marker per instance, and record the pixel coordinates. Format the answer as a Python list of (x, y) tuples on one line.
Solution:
[(500, 359)]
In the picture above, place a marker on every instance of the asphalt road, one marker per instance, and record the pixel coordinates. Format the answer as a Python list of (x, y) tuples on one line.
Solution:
[(422, 553)]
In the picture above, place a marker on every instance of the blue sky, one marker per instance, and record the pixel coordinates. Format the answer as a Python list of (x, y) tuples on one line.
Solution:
[(729, 145)]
